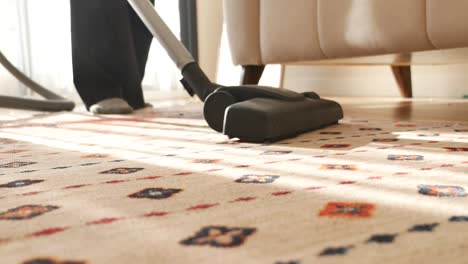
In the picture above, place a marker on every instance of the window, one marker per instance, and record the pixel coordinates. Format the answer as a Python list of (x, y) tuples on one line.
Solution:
[(36, 38)]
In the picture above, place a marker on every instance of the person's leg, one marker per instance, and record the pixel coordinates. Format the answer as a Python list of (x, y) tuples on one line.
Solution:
[(104, 60), (142, 39)]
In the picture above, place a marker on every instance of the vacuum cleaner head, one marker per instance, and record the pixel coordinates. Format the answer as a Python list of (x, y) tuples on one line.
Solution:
[(257, 113), (265, 114)]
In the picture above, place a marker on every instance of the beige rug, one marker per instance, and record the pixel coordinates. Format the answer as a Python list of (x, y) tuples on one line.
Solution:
[(164, 188)]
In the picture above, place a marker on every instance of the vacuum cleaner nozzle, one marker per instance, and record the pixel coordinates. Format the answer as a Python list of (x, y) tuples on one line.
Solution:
[(257, 113), (265, 114)]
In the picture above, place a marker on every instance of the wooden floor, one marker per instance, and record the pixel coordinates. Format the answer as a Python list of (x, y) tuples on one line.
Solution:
[(382, 108), (354, 107), (387, 108), (405, 109)]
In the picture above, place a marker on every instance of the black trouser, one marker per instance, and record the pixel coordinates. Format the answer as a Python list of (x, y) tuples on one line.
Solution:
[(110, 47)]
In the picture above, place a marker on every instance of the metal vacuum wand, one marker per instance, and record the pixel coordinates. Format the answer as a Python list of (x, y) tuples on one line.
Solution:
[(195, 80), (178, 53)]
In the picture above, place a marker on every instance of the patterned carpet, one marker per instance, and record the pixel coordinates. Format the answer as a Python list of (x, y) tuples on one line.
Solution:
[(163, 188)]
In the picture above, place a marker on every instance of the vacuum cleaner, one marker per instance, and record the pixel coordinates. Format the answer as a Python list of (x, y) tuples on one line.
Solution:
[(250, 113)]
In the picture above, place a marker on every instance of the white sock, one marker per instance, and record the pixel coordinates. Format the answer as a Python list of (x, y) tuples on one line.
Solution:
[(111, 106)]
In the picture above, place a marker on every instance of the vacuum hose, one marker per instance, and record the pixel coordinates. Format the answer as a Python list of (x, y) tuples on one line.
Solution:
[(54, 103)]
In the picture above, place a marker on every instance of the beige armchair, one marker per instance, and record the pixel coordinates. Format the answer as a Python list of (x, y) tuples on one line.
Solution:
[(264, 32)]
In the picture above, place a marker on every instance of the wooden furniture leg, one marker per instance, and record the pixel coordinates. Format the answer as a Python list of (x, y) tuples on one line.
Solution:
[(402, 75), (251, 74)]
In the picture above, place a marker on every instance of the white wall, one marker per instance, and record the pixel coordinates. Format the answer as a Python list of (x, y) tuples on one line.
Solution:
[(428, 81)]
